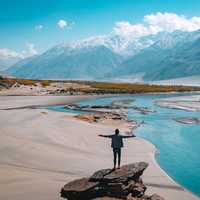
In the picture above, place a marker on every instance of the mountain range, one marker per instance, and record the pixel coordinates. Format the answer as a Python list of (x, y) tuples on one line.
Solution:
[(154, 57)]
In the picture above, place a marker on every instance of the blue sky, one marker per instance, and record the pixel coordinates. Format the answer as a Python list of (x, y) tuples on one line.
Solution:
[(36, 22)]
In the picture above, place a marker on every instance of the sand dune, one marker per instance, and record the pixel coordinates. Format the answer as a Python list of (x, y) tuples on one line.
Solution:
[(40, 150)]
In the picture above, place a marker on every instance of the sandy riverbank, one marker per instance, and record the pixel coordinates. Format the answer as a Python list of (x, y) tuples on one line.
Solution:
[(40, 150), (188, 103)]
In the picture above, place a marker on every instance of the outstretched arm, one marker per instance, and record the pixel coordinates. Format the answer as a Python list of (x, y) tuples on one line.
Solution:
[(106, 136), (128, 136)]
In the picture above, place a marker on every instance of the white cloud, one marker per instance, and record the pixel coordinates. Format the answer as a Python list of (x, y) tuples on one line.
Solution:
[(171, 22), (31, 50), (9, 53), (39, 27), (157, 22), (124, 28), (62, 24)]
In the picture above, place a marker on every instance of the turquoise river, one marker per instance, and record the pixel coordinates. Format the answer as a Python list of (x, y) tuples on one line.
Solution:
[(178, 145)]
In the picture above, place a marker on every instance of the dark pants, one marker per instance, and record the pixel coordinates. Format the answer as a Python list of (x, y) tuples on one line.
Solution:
[(117, 153)]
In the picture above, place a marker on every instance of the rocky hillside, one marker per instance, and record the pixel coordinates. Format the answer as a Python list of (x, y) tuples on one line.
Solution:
[(174, 55), (67, 62)]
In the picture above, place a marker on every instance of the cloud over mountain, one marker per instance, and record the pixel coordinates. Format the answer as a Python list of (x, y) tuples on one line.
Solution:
[(7, 53), (157, 22), (9, 57)]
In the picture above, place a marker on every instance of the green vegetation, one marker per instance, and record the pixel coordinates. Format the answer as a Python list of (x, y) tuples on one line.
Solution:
[(139, 88), (12, 81), (87, 87)]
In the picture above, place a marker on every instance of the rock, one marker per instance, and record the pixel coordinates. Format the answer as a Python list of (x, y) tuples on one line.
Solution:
[(137, 190), (110, 108), (130, 197), (5, 85), (79, 189), (191, 120), (73, 107), (124, 174), (124, 103), (143, 110), (88, 118), (107, 184)]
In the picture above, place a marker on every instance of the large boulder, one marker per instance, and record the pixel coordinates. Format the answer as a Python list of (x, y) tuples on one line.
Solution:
[(124, 174), (79, 189), (108, 184)]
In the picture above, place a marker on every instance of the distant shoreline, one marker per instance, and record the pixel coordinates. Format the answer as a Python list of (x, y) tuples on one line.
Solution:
[(19, 87)]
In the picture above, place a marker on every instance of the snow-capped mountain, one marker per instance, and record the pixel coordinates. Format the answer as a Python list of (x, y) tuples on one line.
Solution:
[(173, 55), (118, 44), (155, 57), (85, 59), (68, 62)]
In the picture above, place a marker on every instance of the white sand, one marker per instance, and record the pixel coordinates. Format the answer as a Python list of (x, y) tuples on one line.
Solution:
[(188, 103), (41, 150)]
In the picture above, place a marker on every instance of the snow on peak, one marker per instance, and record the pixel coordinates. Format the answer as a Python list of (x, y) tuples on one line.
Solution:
[(127, 46), (118, 44)]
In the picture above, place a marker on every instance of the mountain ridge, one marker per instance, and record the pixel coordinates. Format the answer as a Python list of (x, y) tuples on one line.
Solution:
[(65, 63), (158, 57)]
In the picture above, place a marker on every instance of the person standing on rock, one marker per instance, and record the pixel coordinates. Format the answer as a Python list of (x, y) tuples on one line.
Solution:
[(117, 144)]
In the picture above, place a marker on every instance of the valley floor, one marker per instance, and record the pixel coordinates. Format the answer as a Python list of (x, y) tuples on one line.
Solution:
[(41, 150)]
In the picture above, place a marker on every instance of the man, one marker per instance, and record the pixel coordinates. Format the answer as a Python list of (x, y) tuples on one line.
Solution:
[(117, 144)]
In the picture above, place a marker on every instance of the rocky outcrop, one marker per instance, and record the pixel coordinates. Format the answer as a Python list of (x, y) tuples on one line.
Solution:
[(143, 110), (4, 84), (190, 120), (108, 184), (116, 107), (116, 110), (125, 103), (100, 113)]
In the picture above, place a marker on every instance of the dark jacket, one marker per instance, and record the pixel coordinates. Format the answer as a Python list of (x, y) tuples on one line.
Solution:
[(117, 140)]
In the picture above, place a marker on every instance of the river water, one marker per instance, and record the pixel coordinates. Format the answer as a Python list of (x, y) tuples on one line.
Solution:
[(178, 145)]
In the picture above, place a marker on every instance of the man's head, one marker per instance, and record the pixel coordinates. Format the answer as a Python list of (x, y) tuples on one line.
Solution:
[(117, 131)]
